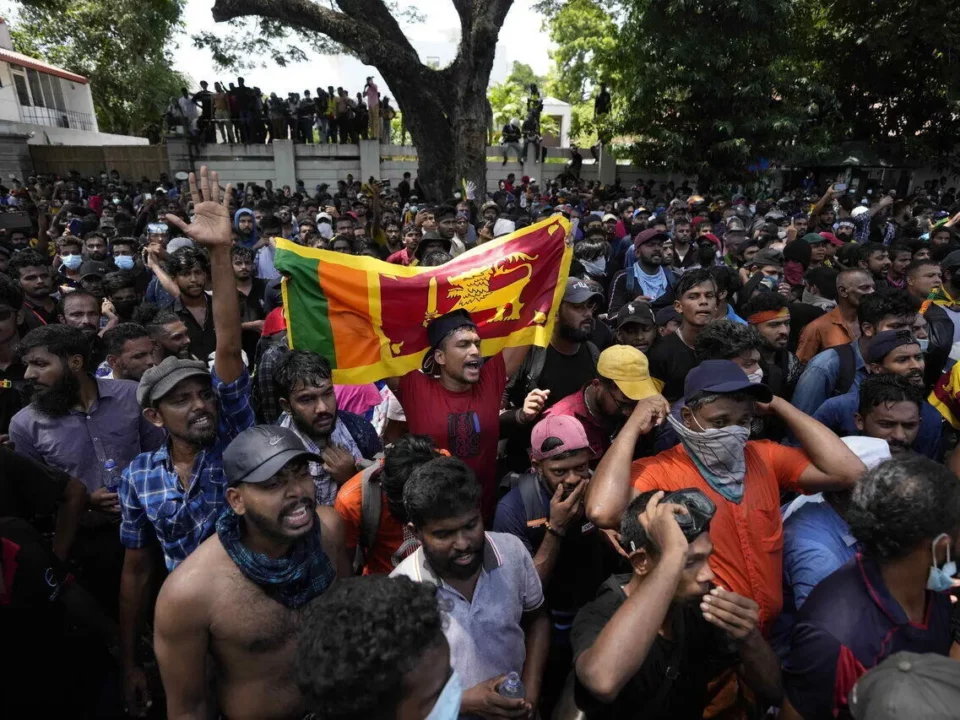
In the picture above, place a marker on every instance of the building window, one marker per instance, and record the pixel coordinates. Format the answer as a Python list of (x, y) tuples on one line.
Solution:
[(35, 92), (22, 94)]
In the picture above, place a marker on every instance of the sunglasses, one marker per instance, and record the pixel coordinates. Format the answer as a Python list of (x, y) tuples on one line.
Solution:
[(700, 511)]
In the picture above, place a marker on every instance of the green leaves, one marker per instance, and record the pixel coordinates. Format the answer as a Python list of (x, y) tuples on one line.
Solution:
[(713, 85), (122, 46)]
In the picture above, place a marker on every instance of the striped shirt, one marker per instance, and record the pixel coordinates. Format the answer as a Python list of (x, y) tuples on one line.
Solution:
[(153, 503)]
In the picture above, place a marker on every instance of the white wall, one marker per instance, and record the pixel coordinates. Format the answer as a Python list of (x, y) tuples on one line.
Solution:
[(9, 106), (45, 135)]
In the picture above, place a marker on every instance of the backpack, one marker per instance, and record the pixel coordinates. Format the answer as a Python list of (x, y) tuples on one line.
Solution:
[(848, 369), (371, 505)]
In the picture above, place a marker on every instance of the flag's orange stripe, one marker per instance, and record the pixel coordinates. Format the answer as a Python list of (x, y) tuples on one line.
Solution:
[(355, 341)]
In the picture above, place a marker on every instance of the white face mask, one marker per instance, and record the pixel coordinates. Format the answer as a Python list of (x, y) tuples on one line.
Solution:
[(447, 706), (940, 579), (756, 377)]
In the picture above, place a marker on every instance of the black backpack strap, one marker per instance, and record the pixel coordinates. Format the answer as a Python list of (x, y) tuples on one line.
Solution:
[(538, 358), (594, 352), (536, 513), (371, 505), (848, 369)]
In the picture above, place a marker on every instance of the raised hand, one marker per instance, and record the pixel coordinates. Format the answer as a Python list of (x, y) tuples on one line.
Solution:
[(211, 224)]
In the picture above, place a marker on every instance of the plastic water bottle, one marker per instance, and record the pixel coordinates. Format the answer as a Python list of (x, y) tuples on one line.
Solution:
[(512, 687), (111, 476)]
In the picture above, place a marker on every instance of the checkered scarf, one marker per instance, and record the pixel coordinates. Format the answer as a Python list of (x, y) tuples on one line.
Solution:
[(292, 580)]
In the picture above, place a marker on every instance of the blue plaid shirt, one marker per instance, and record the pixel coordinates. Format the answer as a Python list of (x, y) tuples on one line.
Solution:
[(153, 503)]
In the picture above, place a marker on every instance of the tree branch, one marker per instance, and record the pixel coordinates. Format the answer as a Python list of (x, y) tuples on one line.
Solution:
[(366, 40)]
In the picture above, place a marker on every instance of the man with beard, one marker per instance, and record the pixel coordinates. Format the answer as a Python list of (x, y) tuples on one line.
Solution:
[(456, 399), (605, 403), (81, 310), (498, 623), (892, 352), (769, 313), (241, 594), (169, 333), (682, 234), (76, 422), (645, 279), (875, 259), (90, 428), (130, 351), (174, 495), (636, 326), (120, 289), (245, 228), (33, 273), (941, 310), (95, 247), (547, 375), (339, 438), (411, 239), (668, 612)]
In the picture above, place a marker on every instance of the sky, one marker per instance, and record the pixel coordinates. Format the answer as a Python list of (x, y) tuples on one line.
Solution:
[(521, 39)]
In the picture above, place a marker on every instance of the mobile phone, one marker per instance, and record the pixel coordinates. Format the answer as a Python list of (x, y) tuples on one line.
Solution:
[(840, 187), (73, 227)]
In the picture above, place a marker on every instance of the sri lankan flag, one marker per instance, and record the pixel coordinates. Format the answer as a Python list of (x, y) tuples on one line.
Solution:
[(369, 317)]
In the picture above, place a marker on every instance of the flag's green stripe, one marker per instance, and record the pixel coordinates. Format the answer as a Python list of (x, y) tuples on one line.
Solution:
[(307, 305)]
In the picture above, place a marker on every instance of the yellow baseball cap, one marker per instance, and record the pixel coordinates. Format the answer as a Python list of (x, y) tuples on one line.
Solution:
[(629, 369)]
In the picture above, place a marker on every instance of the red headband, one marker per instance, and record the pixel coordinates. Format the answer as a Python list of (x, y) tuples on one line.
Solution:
[(768, 315)]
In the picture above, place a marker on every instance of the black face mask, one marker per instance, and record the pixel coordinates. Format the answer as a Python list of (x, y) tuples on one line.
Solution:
[(125, 309)]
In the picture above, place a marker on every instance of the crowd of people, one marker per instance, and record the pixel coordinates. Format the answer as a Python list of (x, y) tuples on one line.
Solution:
[(727, 485), (235, 113)]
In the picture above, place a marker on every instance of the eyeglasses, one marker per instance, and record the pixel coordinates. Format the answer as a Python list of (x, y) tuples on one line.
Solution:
[(700, 511)]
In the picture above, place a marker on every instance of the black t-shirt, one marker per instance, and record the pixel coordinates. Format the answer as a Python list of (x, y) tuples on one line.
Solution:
[(801, 315), (251, 309), (13, 393), (566, 374), (705, 651), (28, 488), (670, 361)]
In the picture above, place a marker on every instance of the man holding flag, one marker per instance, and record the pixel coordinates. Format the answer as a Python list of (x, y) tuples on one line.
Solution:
[(456, 398), (426, 330)]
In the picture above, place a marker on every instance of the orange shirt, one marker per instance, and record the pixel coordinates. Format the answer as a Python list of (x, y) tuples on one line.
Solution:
[(349, 505), (826, 331), (747, 536)]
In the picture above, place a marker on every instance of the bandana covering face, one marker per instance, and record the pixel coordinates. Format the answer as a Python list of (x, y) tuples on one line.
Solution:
[(293, 580), (718, 455)]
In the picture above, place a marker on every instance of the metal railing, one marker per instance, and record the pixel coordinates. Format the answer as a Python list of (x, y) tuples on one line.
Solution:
[(51, 117)]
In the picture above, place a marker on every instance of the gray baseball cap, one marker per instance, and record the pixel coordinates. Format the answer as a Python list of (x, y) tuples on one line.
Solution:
[(260, 452), (908, 685), (161, 379)]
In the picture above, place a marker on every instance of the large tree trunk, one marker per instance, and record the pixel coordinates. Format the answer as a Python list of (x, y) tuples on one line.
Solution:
[(444, 110)]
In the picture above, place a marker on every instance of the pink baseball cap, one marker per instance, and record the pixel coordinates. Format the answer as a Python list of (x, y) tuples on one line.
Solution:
[(564, 428)]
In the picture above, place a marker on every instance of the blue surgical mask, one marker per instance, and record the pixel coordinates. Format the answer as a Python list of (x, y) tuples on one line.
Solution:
[(924, 344), (941, 578), (72, 262), (447, 706), (124, 262)]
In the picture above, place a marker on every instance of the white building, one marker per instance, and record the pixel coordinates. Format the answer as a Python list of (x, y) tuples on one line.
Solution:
[(50, 105)]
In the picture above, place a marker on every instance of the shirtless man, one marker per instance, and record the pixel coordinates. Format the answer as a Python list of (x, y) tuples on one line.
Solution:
[(240, 594)]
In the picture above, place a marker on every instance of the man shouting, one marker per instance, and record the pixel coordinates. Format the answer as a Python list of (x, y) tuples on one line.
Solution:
[(239, 595)]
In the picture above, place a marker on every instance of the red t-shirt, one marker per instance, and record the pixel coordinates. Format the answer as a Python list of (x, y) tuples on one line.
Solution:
[(466, 424), (400, 257)]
